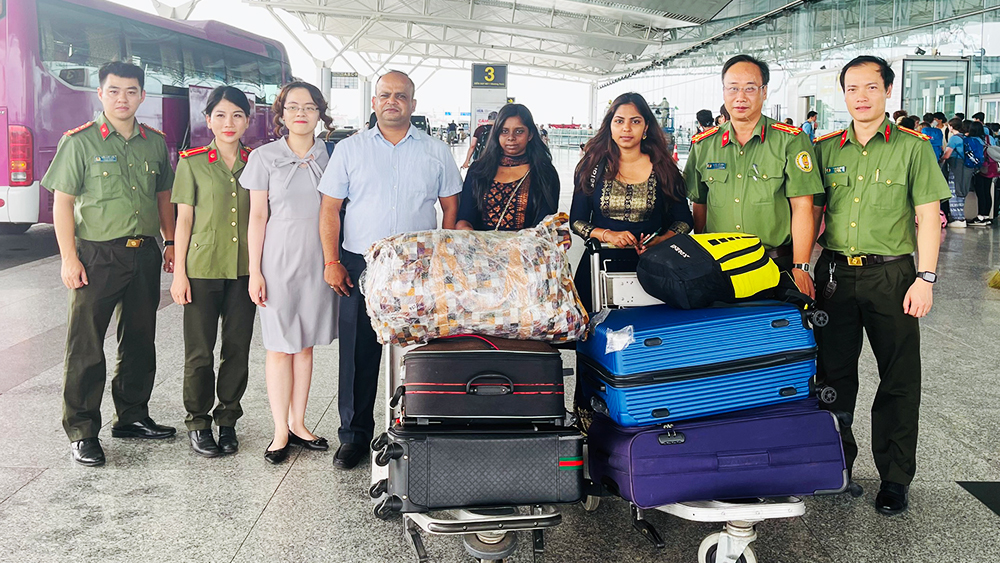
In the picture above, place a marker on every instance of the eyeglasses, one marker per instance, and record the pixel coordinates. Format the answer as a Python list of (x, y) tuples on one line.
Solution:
[(297, 109), (748, 90)]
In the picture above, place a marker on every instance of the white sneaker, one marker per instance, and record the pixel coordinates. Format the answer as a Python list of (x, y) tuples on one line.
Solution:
[(958, 224)]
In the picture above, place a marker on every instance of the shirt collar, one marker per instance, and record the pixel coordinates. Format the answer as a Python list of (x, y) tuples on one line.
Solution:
[(215, 157), (887, 131), (376, 132), (760, 131), (106, 128)]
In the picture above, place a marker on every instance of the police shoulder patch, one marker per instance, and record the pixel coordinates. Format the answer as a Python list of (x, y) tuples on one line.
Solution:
[(829, 136), (804, 161), (786, 128), (705, 134), (78, 129), (192, 152), (916, 134), (157, 131)]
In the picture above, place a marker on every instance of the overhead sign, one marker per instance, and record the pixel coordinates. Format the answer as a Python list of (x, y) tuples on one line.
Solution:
[(489, 76)]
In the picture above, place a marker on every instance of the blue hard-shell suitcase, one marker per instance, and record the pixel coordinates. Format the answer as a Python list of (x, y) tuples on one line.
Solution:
[(683, 364)]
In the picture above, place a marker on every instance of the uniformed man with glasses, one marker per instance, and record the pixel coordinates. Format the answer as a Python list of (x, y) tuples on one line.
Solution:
[(756, 175)]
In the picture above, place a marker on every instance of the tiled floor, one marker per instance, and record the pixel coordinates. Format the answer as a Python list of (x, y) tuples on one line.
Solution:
[(158, 502)]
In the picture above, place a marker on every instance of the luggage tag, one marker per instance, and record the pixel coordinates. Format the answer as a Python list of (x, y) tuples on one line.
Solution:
[(831, 286)]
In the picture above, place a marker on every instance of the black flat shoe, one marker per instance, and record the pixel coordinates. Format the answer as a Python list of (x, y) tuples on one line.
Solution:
[(203, 443), (349, 456), (227, 440), (275, 457), (144, 428), (87, 452), (319, 444), (892, 498)]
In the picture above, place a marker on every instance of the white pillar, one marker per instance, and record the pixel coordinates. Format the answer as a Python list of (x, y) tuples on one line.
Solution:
[(364, 101)]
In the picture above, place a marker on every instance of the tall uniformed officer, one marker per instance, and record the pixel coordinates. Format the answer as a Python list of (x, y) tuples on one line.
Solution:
[(877, 176), (111, 179), (212, 274), (755, 175)]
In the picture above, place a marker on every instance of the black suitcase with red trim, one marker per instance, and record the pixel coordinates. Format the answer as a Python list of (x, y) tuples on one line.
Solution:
[(473, 378)]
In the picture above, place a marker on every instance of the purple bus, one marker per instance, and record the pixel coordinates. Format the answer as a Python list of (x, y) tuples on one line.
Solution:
[(50, 51)]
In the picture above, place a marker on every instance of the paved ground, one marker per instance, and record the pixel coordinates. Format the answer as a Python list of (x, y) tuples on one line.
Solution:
[(159, 503)]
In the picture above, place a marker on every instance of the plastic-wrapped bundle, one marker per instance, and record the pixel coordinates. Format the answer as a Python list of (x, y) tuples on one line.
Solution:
[(424, 285)]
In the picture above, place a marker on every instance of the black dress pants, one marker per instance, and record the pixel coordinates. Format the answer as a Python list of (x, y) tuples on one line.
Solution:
[(360, 359)]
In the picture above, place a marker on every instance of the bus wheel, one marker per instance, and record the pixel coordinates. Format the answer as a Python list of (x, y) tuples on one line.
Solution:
[(14, 228)]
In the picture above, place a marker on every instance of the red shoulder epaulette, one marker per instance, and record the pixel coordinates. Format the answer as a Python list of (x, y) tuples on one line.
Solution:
[(916, 134), (78, 129), (157, 131), (828, 136), (786, 128), (192, 152), (704, 134)]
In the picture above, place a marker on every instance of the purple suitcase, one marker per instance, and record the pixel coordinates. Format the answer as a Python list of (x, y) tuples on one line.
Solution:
[(782, 450)]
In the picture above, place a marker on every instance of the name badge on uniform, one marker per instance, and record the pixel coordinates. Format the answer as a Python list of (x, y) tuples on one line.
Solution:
[(836, 169), (716, 166), (108, 158)]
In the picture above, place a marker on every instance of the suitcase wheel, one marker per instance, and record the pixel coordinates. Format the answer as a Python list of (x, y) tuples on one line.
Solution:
[(710, 545), (378, 488), (391, 505), (389, 453), (380, 441), (590, 503), (819, 318), (826, 394)]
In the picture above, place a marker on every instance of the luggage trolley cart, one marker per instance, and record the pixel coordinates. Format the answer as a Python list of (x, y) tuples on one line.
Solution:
[(489, 534), (739, 519)]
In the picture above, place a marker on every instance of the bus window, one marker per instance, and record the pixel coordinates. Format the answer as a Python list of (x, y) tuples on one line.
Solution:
[(203, 63), (76, 43), (243, 72), (157, 52), (270, 75)]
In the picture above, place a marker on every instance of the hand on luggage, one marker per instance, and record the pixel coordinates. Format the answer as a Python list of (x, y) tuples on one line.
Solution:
[(338, 279), (804, 282), (621, 239), (258, 290)]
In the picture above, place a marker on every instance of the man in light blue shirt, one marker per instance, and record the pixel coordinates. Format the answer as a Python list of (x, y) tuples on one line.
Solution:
[(392, 174), (809, 126)]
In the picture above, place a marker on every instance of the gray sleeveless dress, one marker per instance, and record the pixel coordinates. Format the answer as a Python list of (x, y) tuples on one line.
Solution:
[(301, 308)]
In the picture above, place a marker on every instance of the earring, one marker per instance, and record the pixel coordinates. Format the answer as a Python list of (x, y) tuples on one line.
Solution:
[(643, 134), (281, 120)]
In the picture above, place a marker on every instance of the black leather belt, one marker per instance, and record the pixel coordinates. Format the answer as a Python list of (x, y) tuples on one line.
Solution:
[(131, 242), (780, 252), (864, 259)]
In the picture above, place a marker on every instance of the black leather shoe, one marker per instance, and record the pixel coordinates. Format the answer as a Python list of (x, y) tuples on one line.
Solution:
[(319, 444), (87, 452), (349, 456), (203, 443), (144, 428), (892, 498), (275, 457), (227, 440)]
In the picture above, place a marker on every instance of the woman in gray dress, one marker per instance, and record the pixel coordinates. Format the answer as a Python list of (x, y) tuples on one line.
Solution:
[(298, 310)]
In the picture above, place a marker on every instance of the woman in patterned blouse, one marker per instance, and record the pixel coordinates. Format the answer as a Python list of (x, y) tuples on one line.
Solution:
[(513, 184), (627, 187)]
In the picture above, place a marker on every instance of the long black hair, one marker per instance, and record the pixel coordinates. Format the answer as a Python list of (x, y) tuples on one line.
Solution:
[(602, 149), (230, 94), (544, 182)]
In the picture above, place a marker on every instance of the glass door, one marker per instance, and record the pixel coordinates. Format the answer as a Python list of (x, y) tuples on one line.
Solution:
[(990, 105), (931, 85)]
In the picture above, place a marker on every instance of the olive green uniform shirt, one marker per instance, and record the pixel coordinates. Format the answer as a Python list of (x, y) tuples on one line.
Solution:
[(871, 190), (218, 248), (114, 179), (747, 188)]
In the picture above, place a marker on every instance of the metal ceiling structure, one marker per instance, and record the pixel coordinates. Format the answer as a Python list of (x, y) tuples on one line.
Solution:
[(585, 40)]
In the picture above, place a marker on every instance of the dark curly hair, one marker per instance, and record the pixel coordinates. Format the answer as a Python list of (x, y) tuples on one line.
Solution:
[(278, 107)]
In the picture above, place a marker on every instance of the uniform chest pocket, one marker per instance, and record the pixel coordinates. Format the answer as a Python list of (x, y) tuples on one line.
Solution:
[(105, 179), (889, 189), (838, 192), (718, 190), (763, 186), (149, 176)]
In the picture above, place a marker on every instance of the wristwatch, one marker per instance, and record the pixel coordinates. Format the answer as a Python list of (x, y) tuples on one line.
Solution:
[(929, 277), (168, 243), (804, 267)]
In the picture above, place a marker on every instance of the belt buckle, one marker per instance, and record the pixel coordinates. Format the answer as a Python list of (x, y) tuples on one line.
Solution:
[(856, 260), (133, 243)]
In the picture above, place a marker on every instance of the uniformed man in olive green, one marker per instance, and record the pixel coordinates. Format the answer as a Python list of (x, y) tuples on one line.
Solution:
[(111, 180), (212, 274), (756, 175), (878, 177)]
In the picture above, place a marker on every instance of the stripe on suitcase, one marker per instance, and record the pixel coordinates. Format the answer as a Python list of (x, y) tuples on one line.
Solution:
[(570, 463)]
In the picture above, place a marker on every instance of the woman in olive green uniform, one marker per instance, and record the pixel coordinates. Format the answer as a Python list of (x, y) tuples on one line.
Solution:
[(212, 273)]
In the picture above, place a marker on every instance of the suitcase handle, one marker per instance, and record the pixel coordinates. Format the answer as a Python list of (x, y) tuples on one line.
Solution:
[(396, 396), (504, 388)]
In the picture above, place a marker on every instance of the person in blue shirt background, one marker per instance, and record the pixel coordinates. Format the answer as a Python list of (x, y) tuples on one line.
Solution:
[(937, 137), (809, 126)]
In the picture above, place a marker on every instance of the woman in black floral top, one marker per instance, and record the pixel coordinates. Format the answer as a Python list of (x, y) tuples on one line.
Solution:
[(513, 185)]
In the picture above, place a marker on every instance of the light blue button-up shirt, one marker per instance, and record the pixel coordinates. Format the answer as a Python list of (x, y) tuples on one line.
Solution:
[(392, 188)]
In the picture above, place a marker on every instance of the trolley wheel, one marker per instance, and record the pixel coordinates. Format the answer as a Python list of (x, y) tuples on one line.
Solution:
[(385, 509), (379, 442), (710, 545), (388, 453), (490, 552), (378, 488), (591, 502), (820, 318), (492, 561), (827, 394)]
